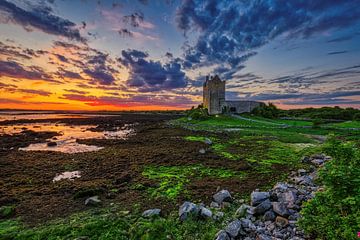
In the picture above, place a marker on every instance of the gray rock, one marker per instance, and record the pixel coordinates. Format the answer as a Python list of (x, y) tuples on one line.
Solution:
[(205, 213), (258, 197), (151, 212), (317, 162), (242, 211), (269, 216), (289, 198), (248, 225), (281, 222), (305, 159), (222, 235), (208, 141), (202, 151), (263, 237), (233, 228), (280, 209), (186, 209), (218, 215), (214, 205), (302, 172), (93, 201), (262, 207), (281, 187), (222, 196)]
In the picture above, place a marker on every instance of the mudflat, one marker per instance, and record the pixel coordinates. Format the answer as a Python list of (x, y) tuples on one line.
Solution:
[(154, 167)]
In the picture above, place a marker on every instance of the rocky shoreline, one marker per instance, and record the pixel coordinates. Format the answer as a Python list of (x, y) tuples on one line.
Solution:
[(270, 215)]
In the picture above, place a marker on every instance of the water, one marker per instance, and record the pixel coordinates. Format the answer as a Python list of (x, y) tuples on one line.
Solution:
[(66, 141)]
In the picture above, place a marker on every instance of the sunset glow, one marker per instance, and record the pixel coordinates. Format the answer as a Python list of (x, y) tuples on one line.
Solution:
[(154, 55)]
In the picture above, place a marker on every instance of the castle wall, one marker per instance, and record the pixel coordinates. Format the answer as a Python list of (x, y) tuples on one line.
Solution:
[(240, 106)]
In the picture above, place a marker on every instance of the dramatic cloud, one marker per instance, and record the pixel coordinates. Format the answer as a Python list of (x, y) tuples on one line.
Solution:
[(16, 70), (149, 75), (228, 30), (39, 17)]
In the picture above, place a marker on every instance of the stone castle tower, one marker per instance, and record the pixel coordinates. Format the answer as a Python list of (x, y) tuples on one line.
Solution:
[(214, 99), (214, 94)]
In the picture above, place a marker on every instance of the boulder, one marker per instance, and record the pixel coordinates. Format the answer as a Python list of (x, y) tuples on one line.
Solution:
[(269, 216), (208, 141), (205, 213), (258, 197), (262, 207), (187, 209), (222, 196), (281, 221), (233, 228), (222, 235), (305, 159), (93, 201), (151, 212), (242, 210), (281, 209)]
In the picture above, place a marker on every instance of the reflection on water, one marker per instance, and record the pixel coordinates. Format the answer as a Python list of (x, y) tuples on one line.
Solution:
[(66, 141), (18, 115), (67, 175)]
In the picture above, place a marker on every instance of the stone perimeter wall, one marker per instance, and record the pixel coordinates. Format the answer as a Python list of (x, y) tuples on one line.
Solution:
[(240, 106)]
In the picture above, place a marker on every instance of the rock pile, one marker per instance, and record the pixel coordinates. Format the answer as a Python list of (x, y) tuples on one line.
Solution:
[(273, 214)]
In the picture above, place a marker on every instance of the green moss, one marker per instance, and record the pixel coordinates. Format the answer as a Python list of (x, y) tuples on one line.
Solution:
[(172, 180), (7, 211)]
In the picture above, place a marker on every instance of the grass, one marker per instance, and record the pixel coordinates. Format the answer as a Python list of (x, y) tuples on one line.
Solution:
[(114, 223), (173, 179)]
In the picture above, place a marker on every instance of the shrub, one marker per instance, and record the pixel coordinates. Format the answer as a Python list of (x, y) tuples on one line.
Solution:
[(266, 111), (335, 212), (198, 113)]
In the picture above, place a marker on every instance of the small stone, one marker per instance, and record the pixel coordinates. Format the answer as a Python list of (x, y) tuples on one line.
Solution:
[(218, 215), (222, 235), (317, 162), (263, 237), (262, 207), (305, 159), (258, 197), (202, 151), (280, 209), (151, 212), (281, 222), (205, 213), (222, 196), (302, 172), (269, 216), (233, 228), (242, 210), (92, 201), (208, 141), (186, 209), (214, 205)]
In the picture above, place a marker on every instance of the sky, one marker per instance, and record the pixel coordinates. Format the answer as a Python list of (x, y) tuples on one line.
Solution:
[(155, 54)]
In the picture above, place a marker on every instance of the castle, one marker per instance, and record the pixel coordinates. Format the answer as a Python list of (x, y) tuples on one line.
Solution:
[(214, 99)]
